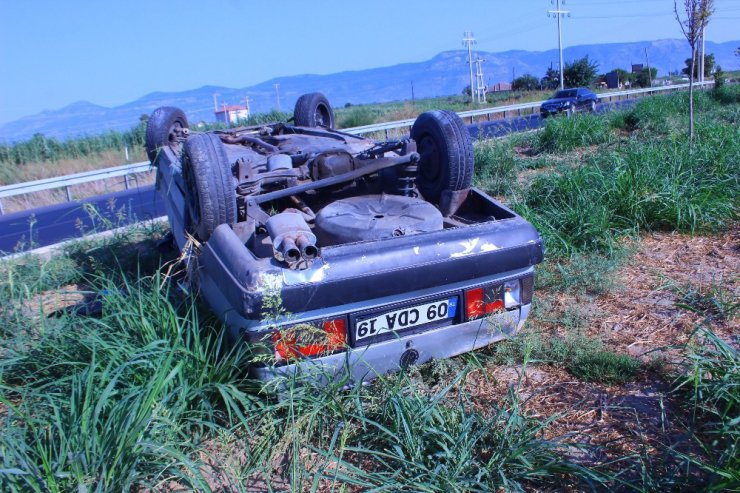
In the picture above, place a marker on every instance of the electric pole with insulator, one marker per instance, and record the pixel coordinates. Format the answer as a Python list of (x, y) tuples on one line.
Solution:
[(469, 41), (480, 85), (558, 13)]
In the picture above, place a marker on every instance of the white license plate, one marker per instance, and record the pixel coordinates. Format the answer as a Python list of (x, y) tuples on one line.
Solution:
[(405, 318)]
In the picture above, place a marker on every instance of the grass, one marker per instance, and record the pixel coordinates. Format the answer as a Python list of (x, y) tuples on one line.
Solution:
[(585, 358), (130, 400), (639, 186), (709, 380), (565, 134)]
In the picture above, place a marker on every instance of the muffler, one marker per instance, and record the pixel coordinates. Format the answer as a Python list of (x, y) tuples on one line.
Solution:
[(292, 239)]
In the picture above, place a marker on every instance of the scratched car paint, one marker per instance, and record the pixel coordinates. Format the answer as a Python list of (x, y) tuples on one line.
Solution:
[(378, 254)]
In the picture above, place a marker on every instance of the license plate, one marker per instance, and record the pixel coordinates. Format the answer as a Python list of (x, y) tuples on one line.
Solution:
[(405, 318)]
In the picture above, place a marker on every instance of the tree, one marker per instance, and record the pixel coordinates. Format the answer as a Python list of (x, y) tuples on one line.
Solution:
[(719, 78), (708, 65), (526, 82), (551, 80), (692, 25), (580, 72), (644, 78)]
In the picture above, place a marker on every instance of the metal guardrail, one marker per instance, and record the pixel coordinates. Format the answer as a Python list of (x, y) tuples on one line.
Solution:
[(129, 169), (73, 179)]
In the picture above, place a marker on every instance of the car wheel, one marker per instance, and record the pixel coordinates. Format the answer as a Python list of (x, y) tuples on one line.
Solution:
[(211, 198), (163, 128), (446, 151), (592, 108), (313, 110)]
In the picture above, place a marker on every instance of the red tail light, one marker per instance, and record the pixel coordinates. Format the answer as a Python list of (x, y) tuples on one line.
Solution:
[(483, 301), (309, 340)]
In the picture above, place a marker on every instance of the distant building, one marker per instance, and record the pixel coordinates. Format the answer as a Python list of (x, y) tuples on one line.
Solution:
[(232, 114), (501, 86), (612, 80)]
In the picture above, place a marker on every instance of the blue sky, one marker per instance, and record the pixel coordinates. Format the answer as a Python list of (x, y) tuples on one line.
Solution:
[(53, 53)]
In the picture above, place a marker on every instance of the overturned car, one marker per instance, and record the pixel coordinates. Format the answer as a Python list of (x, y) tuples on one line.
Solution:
[(342, 254)]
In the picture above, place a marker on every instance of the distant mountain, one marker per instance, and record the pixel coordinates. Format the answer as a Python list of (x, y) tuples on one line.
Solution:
[(445, 74)]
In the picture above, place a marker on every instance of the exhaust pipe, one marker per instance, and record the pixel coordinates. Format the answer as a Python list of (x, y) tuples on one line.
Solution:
[(292, 239), (309, 250)]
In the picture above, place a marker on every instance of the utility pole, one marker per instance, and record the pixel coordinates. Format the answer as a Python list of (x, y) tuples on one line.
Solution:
[(701, 65), (559, 13), (650, 76), (277, 96), (469, 40), (412, 92), (215, 102), (480, 86), (227, 119), (246, 102)]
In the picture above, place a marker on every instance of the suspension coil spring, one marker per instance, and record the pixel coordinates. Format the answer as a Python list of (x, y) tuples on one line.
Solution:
[(407, 179)]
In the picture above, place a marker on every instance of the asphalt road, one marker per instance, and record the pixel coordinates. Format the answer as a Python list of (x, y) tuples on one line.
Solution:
[(49, 225), (44, 226)]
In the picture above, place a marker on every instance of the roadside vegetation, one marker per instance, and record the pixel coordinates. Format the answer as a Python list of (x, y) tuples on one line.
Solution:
[(112, 379)]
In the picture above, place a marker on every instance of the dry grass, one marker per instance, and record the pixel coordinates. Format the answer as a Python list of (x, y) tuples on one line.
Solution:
[(642, 318)]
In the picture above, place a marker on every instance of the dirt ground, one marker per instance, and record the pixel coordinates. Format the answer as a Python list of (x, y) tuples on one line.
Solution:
[(642, 318)]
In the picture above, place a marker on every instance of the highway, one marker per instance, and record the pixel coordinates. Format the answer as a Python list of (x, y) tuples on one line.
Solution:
[(44, 226)]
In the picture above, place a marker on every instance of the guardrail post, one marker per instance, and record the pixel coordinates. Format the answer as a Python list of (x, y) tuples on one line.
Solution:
[(1, 208), (125, 181), (69, 194), (386, 134)]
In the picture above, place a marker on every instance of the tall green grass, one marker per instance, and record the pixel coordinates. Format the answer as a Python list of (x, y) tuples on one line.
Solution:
[(639, 186), (583, 130)]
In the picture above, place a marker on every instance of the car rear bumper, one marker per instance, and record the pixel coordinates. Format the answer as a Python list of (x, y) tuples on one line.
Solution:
[(365, 363)]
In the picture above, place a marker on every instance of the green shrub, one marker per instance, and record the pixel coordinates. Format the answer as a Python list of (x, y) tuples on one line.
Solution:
[(356, 116), (727, 94)]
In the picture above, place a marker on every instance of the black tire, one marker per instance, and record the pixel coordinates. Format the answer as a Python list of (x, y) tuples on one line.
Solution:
[(313, 110), (446, 150), (211, 197), (162, 129)]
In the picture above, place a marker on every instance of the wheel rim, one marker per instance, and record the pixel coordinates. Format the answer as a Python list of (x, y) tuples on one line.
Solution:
[(321, 116), (430, 168), (174, 130)]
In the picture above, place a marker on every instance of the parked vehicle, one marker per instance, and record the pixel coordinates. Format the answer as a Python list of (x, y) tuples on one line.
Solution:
[(340, 254), (569, 101)]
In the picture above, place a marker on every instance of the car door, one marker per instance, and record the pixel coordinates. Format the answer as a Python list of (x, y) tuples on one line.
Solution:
[(580, 99)]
